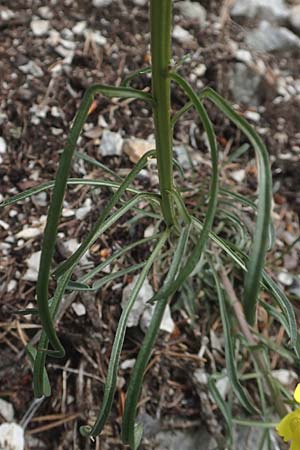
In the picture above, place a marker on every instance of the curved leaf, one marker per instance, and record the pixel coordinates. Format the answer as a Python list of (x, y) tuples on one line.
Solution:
[(111, 380), (136, 380), (50, 184), (229, 349), (260, 241), (57, 201)]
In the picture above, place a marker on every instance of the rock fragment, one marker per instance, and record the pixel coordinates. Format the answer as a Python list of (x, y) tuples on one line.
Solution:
[(33, 263), (79, 309), (111, 144), (39, 27), (264, 9), (32, 68), (101, 3), (6, 410), (193, 11), (29, 233), (11, 437), (294, 17), (146, 292), (181, 35), (285, 278), (142, 312), (238, 175), (270, 38), (82, 212), (285, 377), (95, 36), (135, 148), (3, 145), (245, 85), (80, 27)]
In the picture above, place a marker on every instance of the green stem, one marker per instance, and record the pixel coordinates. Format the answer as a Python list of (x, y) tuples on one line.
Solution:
[(160, 20)]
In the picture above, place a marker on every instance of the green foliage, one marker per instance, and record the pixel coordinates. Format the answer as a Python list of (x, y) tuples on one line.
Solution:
[(188, 237)]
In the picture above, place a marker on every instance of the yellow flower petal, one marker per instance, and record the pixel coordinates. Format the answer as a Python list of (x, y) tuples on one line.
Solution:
[(289, 429), (295, 427), (297, 393), (295, 445), (284, 429)]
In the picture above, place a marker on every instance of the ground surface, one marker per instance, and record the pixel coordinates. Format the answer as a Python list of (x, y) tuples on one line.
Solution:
[(42, 81)]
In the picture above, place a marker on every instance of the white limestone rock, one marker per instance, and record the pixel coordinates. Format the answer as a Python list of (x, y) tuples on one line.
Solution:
[(193, 11), (270, 38), (39, 27), (111, 144), (11, 437), (262, 9)]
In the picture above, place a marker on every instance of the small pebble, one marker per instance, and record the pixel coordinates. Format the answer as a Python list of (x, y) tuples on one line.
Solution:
[(32, 68), (33, 263), (285, 278), (12, 285), (40, 199), (252, 115), (181, 35), (28, 233), (95, 36), (4, 225), (79, 309), (136, 148), (80, 27), (82, 212), (6, 410), (127, 364), (7, 14), (111, 144), (39, 27), (3, 145), (11, 437), (284, 376), (101, 3), (193, 11), (45, 12), (238, 175)]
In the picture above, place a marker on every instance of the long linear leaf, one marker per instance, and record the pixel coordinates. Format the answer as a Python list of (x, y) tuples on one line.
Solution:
[(132, 433), (40, 386), (115, 256), (57, 201), (46, 388), (260, 241), (247, 202), (94, 233), (110, 385), (276, 293), (98, 164), (237, 223), (286, 307), (239, 197), (229, 350), (126, 81), (77, 286), (71, 181), (213, 390)]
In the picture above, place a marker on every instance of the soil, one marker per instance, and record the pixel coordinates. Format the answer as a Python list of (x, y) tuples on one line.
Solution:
[(36, 111)]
